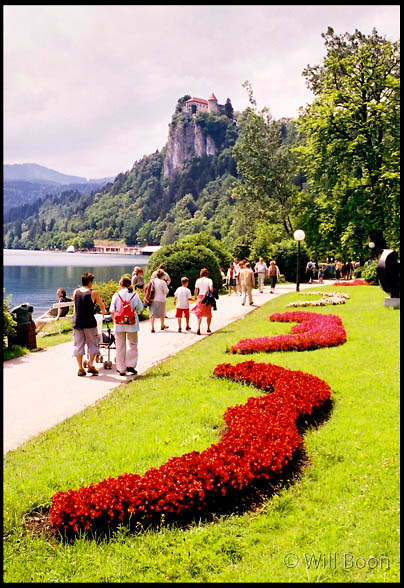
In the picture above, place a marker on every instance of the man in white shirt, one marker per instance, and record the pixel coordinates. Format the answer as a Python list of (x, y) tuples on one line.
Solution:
[(261, 269)]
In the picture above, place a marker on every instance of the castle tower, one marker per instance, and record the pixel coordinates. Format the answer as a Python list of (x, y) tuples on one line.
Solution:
[(212, 103)]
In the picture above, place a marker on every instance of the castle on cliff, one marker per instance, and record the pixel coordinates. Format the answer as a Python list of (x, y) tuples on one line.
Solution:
[(194, 105)]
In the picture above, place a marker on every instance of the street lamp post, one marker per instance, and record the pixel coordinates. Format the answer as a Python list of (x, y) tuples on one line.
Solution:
[(298, 236), (371, 247)]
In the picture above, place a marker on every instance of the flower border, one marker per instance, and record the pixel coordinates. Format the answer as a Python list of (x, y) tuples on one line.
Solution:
[(313, 331), (261, 439), (356, 282)]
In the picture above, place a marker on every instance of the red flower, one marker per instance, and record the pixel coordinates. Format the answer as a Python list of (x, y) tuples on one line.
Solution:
[(357, 282), (313, 331), (261, 438)]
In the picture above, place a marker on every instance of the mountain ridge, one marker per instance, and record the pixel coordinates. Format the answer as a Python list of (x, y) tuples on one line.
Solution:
[(33, 172), (26, 183)]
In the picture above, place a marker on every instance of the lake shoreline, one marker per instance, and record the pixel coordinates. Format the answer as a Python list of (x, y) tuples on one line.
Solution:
[(34, 276)]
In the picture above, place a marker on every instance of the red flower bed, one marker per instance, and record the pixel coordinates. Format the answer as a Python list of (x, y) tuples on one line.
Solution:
[(357, 282), (313, 331), (261, 438)]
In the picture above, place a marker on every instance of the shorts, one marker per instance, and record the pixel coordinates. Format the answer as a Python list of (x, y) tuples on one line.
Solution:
[(83, 337), (182, 312), (232, 282)]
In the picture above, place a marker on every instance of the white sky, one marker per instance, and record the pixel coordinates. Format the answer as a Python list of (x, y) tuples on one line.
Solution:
[(90, 89)]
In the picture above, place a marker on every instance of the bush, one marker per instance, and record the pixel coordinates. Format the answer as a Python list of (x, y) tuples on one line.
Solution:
[(106, 291), (369, 273), (223, 256), (8, 322), (187, 257)]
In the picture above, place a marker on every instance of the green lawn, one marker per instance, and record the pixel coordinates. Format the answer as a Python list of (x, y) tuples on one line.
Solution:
[(338, 521)]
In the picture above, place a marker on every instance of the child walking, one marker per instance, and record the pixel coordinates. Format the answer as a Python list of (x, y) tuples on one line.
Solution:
[(182, 295)]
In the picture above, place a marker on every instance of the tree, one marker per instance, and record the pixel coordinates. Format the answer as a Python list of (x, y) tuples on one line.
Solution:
[(266, 165), (351, 146), (228, 108)]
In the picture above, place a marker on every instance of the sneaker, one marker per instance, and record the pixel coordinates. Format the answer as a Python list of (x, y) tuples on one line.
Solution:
[(187, 328), (131, 370), (208, 331), (121, 373), (91, 370), (179, 330)]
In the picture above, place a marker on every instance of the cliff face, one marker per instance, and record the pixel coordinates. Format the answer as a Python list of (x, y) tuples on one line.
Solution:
[(186, 140)]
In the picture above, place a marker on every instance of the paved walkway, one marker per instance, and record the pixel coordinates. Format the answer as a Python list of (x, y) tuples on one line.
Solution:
[(42, 389)]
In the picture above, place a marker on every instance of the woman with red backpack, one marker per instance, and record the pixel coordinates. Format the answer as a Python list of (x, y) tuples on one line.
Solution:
[(124, 309)]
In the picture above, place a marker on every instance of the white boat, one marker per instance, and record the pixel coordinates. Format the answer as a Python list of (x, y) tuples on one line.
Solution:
[(70, 249)]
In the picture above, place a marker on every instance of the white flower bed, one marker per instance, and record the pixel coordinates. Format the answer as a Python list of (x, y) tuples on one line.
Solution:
[(326, 299)]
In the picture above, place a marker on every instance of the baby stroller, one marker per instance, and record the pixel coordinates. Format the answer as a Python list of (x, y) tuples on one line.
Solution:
[(106, 341)]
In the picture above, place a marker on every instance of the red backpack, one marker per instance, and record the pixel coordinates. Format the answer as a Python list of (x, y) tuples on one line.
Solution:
[(125, 315)]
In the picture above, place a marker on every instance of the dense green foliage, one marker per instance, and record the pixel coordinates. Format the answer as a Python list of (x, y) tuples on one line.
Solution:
[(8, 322), (368, 272), (352, 146), (266, 164)]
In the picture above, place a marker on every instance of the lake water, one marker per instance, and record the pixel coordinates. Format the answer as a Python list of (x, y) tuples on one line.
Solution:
[(34, 276)]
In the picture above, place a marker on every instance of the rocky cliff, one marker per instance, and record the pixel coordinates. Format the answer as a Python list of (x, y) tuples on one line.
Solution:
[(186, 139)]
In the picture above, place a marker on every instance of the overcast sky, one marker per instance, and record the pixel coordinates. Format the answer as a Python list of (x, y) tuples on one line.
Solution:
[(89, 90)]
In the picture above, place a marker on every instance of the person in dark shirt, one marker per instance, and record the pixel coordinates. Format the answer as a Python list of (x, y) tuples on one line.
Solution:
[(53, 314), (85, 325)]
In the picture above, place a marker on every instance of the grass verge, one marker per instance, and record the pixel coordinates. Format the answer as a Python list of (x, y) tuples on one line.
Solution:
[(338, 522)]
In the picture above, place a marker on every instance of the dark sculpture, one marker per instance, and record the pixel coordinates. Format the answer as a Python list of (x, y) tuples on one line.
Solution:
[(388, 272)]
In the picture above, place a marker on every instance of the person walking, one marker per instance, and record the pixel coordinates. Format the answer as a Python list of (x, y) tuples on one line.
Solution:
[(182, 296), (126, 331), (247, 281), (261, 269), (321, 274), (231, 278), (237, 268), (202, 285), (310, 269), (158, 305), (274, 275), (166, 277), (138, 278), (84, 323)]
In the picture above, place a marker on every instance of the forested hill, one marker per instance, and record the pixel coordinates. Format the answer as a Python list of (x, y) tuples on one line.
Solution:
[(183, 189), (24, 183)]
